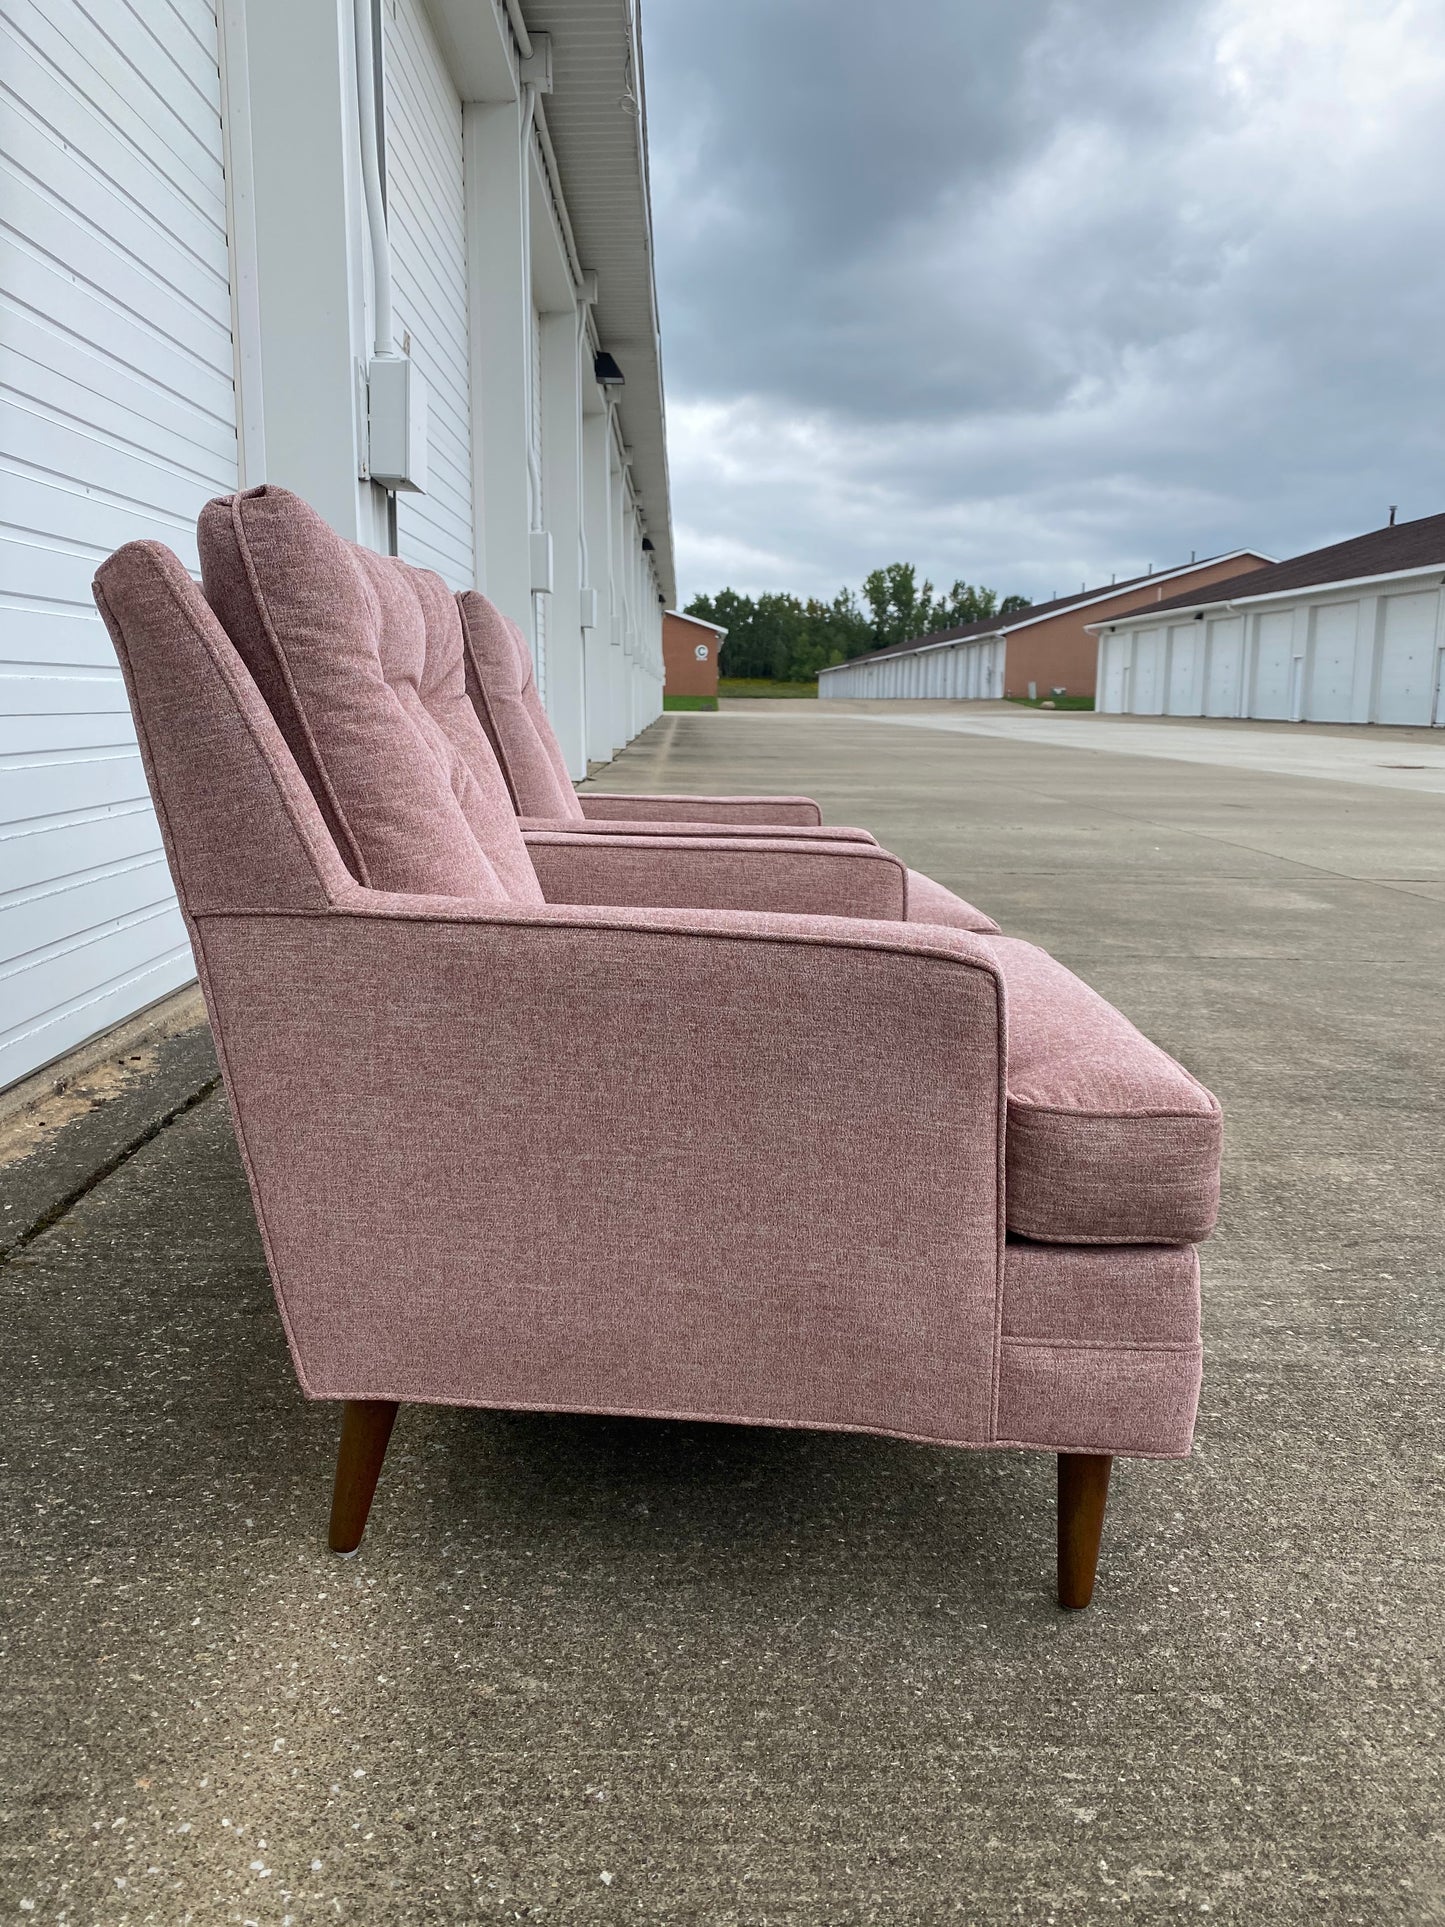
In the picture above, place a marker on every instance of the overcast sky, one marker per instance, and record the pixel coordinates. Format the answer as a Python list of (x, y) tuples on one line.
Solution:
[(1033, 291)]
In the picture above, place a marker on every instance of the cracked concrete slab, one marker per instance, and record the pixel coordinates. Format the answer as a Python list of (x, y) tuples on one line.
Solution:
[(62, 1129)]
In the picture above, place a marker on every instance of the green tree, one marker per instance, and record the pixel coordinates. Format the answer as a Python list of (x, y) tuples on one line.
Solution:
[(780, 637), (964, 604), (833, 631), (900, 608)]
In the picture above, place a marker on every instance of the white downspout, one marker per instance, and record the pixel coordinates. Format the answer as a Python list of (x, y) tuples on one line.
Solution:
[(366, 89), (534, 471), (519, 28), (583, 557)]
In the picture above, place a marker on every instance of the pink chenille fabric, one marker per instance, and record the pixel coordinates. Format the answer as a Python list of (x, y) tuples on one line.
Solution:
[(813, 876), (467, 1117), (743, 873), (1109, 1140), (930, 902), (608, 806), (503, 686), (661, 826), (503, 689), (455, 1238), (241, 825), (361, 656), (1099, 1342), (537, 715)]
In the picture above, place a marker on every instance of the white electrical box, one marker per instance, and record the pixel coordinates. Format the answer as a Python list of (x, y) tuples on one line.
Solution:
[(541, 541), (396, 423), (589, 608), (536, 69)]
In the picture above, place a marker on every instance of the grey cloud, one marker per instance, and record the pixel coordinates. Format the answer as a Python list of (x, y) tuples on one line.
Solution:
[(1050, 287)]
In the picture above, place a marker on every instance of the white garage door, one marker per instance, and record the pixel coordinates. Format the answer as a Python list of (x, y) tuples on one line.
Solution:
[(1147, 696), (980, 672), (1273, 659), (119, 421), (1223, 666), (1332, 662), (1186, 640), (426, 219), (1113, 689), (1407, 658)]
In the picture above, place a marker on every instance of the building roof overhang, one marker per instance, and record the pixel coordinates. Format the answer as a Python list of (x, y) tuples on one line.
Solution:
[(596, 122), (592, 124), (1185, 611)]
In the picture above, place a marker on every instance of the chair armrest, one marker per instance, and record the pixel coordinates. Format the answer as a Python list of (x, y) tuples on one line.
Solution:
[(650, 826), (601, 805), (697, 1163), (743, 873)]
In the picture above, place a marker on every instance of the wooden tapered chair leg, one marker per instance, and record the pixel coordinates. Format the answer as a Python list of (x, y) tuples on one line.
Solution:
[(1083, 1495), (365, 1431)]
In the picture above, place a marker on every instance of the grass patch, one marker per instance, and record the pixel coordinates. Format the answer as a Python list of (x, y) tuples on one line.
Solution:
[(689, 702), (1059, 702), (763, 686)]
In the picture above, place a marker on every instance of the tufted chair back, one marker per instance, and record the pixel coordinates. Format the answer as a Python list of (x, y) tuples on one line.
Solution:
[(501, 684), (360, 660)]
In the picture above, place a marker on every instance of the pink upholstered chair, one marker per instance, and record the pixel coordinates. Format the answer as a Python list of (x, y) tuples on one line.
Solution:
[(501, 684), (503, 690), (937, 1188), (686, 864)]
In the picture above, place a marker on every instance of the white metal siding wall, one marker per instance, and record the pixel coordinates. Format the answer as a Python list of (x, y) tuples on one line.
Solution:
[(1327, 659), (119, 422), (426, 219)]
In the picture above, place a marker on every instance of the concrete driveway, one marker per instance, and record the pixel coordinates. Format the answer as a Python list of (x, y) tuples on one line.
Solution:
[(589, 1670), (1402, 759)]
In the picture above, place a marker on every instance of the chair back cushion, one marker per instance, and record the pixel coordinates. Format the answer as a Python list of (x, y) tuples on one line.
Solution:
[(241, 826), (501, 684), (359, 657)]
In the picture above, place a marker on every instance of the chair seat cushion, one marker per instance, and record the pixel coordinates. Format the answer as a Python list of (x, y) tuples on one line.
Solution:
[(930, 902), (1108, 1140)]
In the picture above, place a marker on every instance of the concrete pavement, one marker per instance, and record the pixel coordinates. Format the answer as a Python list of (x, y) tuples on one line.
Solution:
[(588, 1670), (1403, 759)]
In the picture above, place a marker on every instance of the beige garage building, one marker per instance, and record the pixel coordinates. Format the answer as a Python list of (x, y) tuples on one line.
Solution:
[(1043, 646), (1352, 633)]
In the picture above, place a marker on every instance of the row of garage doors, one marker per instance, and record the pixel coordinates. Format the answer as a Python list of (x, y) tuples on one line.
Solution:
[(1369, 659), (969, 672)]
